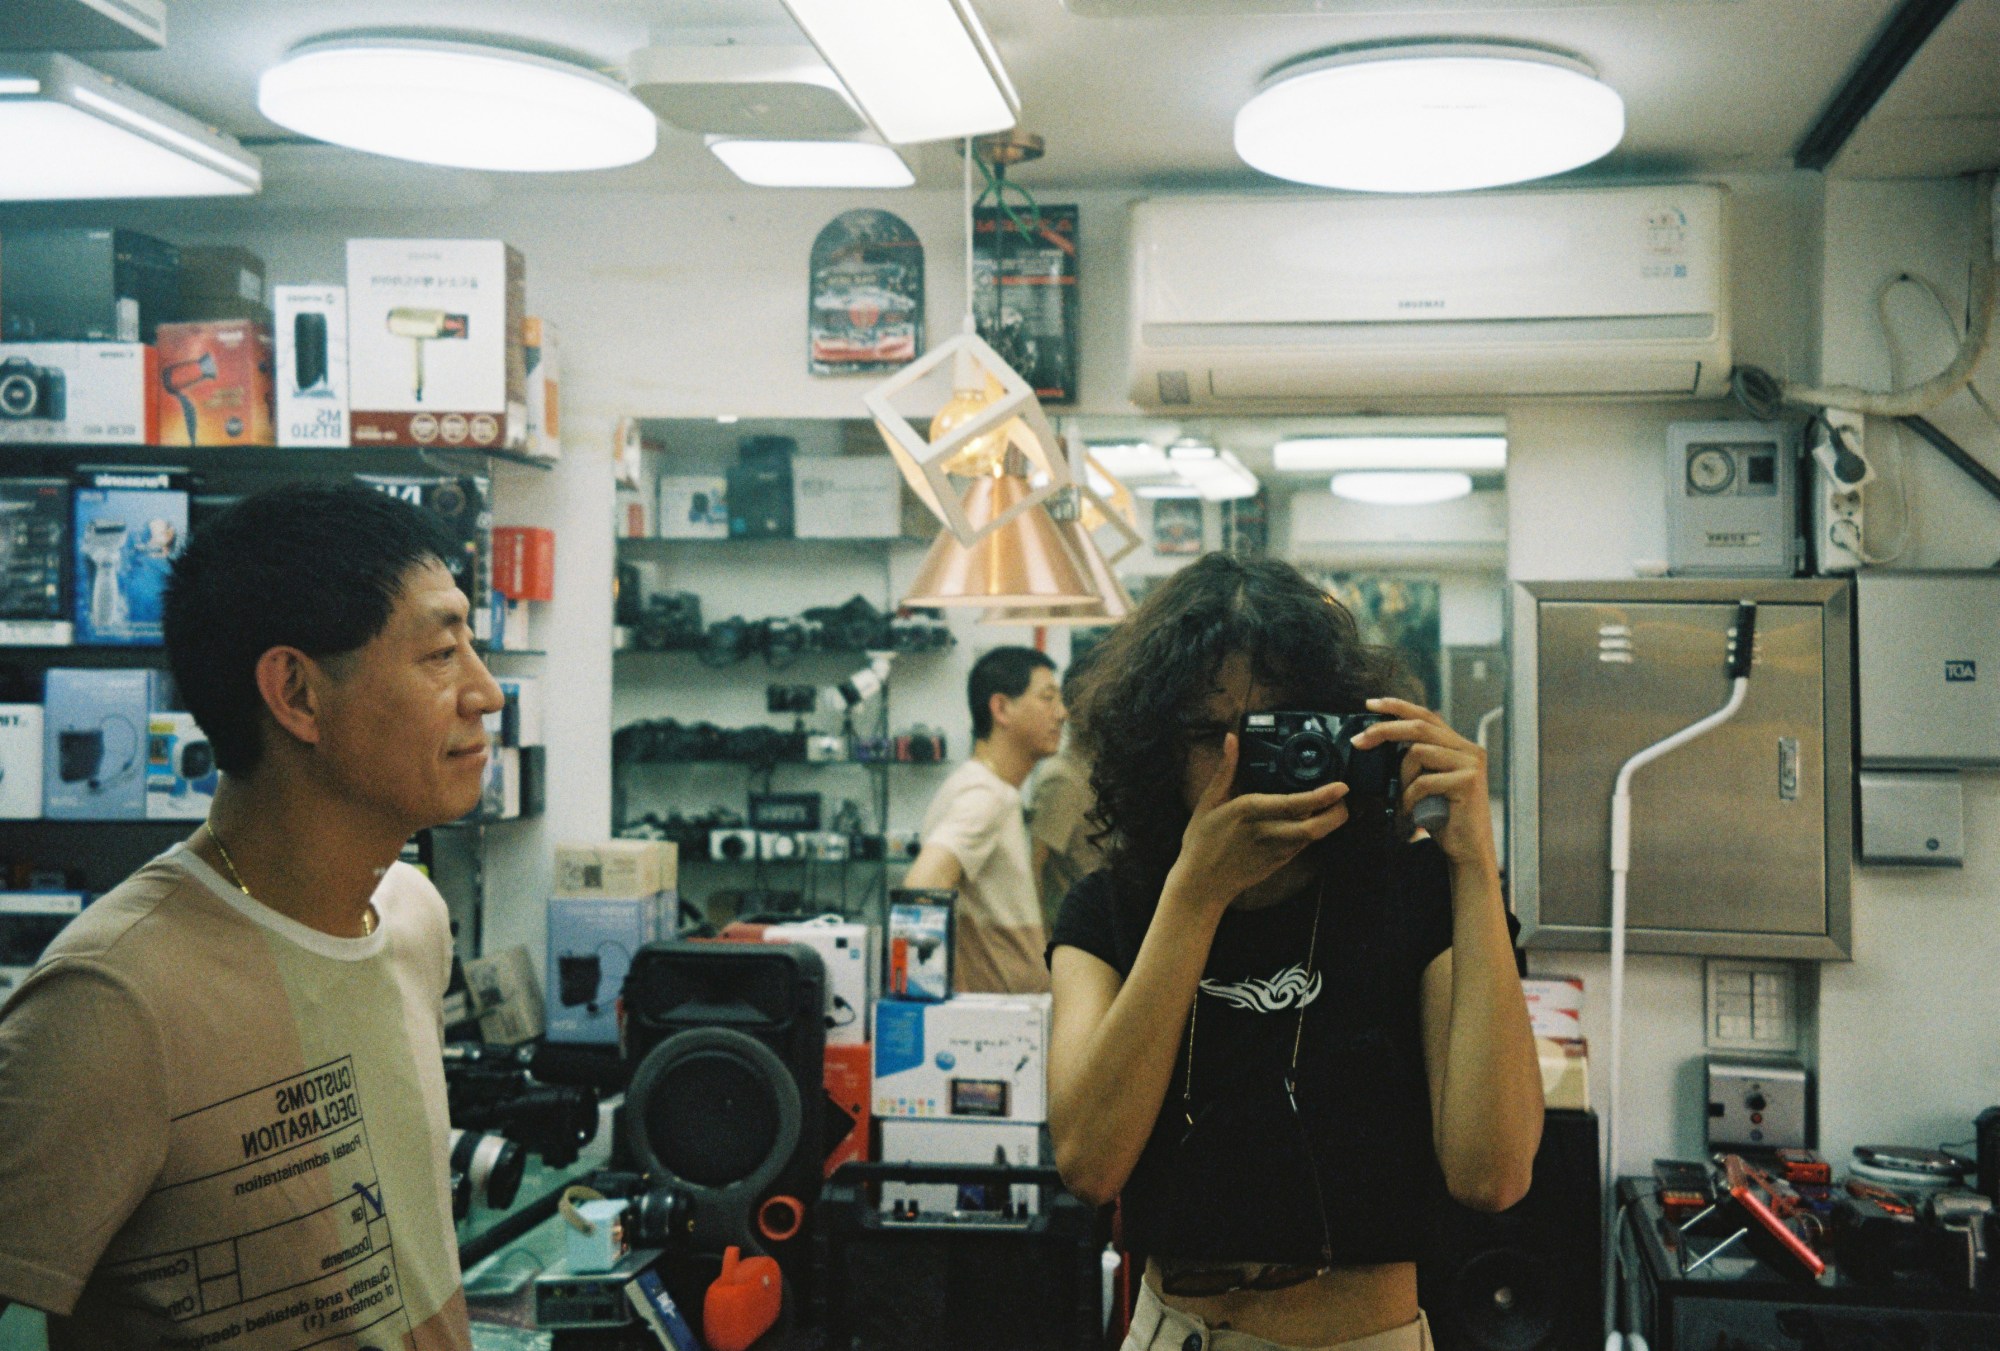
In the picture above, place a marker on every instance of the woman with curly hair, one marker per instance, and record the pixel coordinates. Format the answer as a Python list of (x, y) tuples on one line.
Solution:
[(1276, 1025)]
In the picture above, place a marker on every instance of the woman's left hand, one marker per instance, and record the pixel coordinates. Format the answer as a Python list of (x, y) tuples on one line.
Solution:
[(1438, 762)]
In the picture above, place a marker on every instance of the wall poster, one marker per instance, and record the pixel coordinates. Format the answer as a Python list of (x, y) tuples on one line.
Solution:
[(866, 311), (1024, 291)]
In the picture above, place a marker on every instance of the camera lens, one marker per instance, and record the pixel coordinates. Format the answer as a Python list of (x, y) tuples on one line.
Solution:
[(18, 394), (1306, 758)]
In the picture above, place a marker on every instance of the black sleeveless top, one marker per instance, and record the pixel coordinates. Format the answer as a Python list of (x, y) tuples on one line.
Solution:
[(1245, 1182)]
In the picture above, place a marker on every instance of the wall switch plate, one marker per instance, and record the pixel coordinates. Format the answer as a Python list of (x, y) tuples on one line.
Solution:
[(1752, 1006)]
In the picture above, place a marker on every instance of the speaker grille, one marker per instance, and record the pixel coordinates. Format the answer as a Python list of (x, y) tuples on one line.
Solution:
[(713, 1119)]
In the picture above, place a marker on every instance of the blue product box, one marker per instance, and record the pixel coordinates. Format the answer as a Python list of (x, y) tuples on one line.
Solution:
[(130, 526), (94, 742), (181, 777), (590, 949)]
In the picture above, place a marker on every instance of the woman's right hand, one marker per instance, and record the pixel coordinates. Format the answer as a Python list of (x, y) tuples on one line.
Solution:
[(1233, 842)]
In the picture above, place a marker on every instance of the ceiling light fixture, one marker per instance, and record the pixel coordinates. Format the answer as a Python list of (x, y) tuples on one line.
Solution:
[(922, 70), (1327, 454), (1428, 116), (73, 133), (1025, 561), (457, 104), (812, 164), (1396, 489)]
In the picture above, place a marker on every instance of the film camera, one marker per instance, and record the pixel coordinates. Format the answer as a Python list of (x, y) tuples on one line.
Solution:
[(1294, 752), (489, 1088), (28, 390)]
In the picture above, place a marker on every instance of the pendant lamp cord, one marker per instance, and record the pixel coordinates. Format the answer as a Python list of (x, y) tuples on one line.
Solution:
[(971, 325)]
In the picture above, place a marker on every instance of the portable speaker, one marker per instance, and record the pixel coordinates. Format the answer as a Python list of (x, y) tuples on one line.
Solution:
[(309, 349), (1529, 1278), (727, 1048)]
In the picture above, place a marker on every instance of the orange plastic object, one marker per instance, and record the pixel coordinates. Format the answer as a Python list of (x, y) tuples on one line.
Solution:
[(742, 1302)]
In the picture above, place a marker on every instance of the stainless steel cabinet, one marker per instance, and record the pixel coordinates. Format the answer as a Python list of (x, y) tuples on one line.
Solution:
[(1740, 841)]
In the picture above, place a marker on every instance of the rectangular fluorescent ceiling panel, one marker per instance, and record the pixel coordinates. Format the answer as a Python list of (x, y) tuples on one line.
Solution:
[(82, 25), (1128, 460), (812, 164), (922, 70), (1337, 454), (743, 90), (74, 134)]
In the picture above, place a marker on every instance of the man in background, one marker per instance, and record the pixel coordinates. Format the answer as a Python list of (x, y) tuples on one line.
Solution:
[(975, 835), (1058, 805)]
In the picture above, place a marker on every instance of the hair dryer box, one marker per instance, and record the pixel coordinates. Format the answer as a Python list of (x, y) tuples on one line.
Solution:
[(312, 365), (181, 776), (20, 762), (434, 346), (94, 729), (590, 949), (216, 377), (79, 393), (129, 526)]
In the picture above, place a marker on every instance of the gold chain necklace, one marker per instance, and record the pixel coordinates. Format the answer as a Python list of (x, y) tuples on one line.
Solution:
[(367, 916)]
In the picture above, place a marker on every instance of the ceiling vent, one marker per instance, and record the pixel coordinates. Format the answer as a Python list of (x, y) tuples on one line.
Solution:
[(744, 90)]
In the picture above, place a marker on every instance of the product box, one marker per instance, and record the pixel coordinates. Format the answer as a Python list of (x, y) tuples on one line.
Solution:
[(694, 506), (590, 949), (222, 281), (760, 492), (311, 378), (505, 996), (519, 721), (29, 922), (217, 381), (524, 562), (619, 870), (1565, 1073), (541, 356), (500, 796), (129, 526), (848, 1067), (1015, 1143), (846, 497), (980, 1056), (919, 945), (20, 762), (434, 343), (79, 393), (1555, 1006), (180, 769), (852, 955), (94, 731), (632, 516), (464, 502), (34, 562), (86, 285)]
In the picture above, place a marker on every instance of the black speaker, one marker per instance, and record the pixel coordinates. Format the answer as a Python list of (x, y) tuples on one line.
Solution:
[(1529, 1278), (727, 1047), (308, 349)]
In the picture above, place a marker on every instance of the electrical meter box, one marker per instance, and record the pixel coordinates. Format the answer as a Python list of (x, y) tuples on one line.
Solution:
[(1732, 499)]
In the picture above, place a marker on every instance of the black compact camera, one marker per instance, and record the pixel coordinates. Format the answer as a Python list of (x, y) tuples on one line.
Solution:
[(1295, 752), (28, 390)]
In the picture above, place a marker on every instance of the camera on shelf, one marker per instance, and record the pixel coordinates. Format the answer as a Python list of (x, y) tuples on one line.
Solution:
[(791, 699), (732, 846), (488, 1088), (825, 750), (920, 746), (1294, 752), (31, 391), (826, 846), (779, 846), (668, 622)]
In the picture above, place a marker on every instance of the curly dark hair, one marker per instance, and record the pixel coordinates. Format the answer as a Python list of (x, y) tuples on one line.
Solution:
[(1155, 669)]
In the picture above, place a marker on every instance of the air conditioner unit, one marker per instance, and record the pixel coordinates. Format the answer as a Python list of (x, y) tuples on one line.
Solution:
[(1285, 303)]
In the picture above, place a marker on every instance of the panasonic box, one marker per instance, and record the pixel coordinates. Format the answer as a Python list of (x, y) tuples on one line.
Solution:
[(129, 526)]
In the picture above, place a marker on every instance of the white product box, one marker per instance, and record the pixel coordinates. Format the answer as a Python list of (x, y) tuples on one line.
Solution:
[(1015, 1143), (634, 515), (846, 497), (20, 762), (1555, 1006), (981, 1056), (79, 393), (311, 380), (852, 956), (434, 343), (542, 356), (180, 769), (29, 922), (694, 506), (618, 870)]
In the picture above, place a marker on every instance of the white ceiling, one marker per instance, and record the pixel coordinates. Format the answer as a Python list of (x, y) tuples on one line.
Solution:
[(1144, 99)]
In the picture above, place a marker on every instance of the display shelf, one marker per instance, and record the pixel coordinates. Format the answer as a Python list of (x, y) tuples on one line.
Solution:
[(32, 458), (86, 654)]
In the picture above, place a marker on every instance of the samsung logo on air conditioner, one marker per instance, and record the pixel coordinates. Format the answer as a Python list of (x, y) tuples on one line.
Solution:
[(1961, 672), (1420, 304)]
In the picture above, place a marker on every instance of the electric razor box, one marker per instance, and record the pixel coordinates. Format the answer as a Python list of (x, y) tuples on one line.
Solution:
[(78, 393), (34, 562), (435, 354), (129, 527), (94, 731), (181, 776), (312, 365), (215, 382)]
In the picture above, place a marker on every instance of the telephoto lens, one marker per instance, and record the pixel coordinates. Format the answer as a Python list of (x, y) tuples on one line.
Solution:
[(491, 1164)]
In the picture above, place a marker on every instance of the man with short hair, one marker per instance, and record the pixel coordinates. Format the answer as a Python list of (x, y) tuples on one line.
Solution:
[(975, 838), (222, 1105)]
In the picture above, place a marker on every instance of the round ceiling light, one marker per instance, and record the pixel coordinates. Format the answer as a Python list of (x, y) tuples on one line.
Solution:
[(1428, 117), (457, 104), (1399, 489)]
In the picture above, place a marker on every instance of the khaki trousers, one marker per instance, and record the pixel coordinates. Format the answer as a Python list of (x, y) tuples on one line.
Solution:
[(1155, 1327)]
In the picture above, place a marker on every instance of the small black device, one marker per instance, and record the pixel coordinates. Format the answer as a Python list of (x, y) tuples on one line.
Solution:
[(1295, 751), (308, 349), (785, 811), (31, 391), (760, 489), (1986, 1129), (791, 699), (1685, 1189)]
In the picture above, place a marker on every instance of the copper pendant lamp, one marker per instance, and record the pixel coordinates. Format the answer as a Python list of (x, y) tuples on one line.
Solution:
[(1112, 604), (1026, 561)]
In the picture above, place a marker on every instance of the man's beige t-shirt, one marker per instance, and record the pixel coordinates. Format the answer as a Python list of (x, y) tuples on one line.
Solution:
[(1000, 939), (220, 1128)]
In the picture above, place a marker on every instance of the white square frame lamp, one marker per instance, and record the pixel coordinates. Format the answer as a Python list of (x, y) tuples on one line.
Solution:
[(1115, 514), (923, 461)]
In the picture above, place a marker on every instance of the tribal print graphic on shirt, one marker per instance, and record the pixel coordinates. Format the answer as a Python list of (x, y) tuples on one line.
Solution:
[(1288, 989)]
